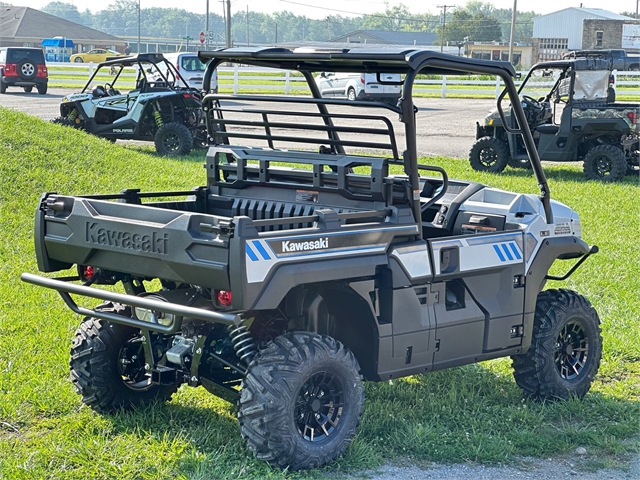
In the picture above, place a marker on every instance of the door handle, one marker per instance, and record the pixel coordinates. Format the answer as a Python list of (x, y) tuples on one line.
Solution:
[(449, 260)]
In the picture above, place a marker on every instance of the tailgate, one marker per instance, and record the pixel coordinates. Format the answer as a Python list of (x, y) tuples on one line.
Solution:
[(137, 239)]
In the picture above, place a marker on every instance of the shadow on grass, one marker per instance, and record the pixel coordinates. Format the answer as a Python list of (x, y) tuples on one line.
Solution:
[(474, 413), (564, 173)]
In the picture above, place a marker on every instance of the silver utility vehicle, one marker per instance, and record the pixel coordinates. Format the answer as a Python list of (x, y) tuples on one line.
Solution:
[(293, 275)]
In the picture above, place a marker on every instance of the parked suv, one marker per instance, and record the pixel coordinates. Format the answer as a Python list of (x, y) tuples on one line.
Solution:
[(360, 86), (192, 69), (23, 67)]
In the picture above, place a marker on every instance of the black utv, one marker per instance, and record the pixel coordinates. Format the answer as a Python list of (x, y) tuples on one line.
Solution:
[(576, 118)]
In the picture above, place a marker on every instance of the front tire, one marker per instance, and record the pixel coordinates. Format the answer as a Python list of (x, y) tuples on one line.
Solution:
[(108, 365), (489, 154), (566, 348), (606, 163), (301, 401), (173, 139)]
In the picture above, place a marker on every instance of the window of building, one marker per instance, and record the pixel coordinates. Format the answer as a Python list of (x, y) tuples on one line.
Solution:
[(552, 48), (599, 36)]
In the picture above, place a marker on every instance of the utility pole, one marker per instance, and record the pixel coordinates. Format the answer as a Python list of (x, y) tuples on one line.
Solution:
[(228, 23), (206, 23), (276, 35), (444, 23), (513, 30), (248, 26), (138, 50)]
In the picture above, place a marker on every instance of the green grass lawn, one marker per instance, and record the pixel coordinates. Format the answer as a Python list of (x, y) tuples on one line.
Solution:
[(470, 414)]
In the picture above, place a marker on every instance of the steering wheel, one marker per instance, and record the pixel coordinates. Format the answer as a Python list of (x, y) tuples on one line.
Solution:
[(110, 90), (532, 102)]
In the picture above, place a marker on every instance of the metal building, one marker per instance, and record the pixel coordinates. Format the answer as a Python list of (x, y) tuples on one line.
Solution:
[(561, 31)]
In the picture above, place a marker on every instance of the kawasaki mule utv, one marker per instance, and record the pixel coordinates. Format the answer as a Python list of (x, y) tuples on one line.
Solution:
[(293, 274)]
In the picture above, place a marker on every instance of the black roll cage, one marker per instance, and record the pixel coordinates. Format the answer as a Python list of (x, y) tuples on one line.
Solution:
[(408, 62)]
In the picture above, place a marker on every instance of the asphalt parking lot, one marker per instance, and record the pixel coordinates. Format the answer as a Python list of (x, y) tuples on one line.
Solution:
[(445, 126)]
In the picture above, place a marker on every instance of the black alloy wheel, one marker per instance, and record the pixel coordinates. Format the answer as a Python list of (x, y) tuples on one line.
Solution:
[(318, 407), (489, 154), (571, 350), (173, 139), (606, 163)]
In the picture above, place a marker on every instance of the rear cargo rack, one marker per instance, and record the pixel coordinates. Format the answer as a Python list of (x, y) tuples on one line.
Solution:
[(301, 120)]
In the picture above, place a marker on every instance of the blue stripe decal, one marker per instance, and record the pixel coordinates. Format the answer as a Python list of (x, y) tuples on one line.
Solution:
[(515, 251), (506, 251), (252, 255), (261, 250), (500, 256)]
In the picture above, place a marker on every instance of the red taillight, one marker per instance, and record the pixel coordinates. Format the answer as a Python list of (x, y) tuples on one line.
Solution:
[(224, 298), (11, 70), (88, 272), (633, 116), (42, 71), (362, 79)]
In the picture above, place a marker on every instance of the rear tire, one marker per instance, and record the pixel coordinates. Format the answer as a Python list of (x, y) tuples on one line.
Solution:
[(78, 60), (3, 87), (173, 139), (351, 94), (489, 154), (566, 348), (64, 121), (98, 369), (301, 401), (606, 163), (42, 89)]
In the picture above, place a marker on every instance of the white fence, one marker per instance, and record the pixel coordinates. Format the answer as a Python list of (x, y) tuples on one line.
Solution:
[(247, 79)]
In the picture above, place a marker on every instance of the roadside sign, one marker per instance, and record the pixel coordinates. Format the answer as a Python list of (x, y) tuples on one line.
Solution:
[(202, 37)]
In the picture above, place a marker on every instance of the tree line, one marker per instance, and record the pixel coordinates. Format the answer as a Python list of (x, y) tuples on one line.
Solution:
[(476, 21)]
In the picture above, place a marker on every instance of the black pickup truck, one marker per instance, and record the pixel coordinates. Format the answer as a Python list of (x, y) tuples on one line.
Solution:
[(620, 59), (293, 274)]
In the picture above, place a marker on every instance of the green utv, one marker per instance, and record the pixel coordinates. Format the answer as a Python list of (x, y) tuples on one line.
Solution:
[(303, 266), (575, 119)]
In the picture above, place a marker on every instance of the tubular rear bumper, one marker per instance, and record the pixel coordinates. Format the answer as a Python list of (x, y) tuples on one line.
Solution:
[(65, 288)]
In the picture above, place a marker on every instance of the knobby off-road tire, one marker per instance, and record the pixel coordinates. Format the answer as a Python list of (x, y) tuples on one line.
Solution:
[(301, 401), (173, 139), (489, 154), (566, 348), (606, 163), (108, 365), (65, 122)]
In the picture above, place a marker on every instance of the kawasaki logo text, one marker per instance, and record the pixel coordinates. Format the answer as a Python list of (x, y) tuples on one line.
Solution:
[(289, 246), (153, 243)]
